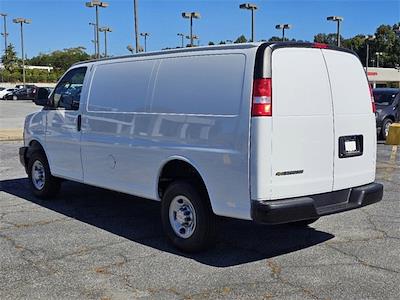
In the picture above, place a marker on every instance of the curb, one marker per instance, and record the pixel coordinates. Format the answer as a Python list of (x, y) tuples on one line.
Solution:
[(11, 135)]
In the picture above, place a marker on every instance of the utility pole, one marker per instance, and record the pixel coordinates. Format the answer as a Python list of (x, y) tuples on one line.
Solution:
[(135, 14), (145, 35), (336, 19), (94, 38), (5, 34), (96, 4), (377, 58), (283, 27), (191, 16), (367, 39), (182, 38), (252, 7), (105, 30), (22, 21)]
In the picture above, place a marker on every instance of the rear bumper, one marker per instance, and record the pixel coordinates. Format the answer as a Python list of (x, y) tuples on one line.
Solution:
[(315, 206)]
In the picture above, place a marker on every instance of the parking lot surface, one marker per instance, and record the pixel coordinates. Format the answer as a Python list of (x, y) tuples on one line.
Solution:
[(96, 244), (12, 113)]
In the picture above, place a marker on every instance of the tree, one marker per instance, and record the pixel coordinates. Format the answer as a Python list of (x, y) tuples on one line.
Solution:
[(241, 39), (61, 59), (210, 43), (10, 59)]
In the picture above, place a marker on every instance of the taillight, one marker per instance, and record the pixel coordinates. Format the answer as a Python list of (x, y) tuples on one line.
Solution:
[(262, 98), (320, 46), (372, 99)]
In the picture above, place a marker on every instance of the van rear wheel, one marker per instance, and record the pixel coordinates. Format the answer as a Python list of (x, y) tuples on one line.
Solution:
[(43, 184), (187, 218)]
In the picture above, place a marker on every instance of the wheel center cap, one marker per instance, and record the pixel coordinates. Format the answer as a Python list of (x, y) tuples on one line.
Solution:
[(180, 216)]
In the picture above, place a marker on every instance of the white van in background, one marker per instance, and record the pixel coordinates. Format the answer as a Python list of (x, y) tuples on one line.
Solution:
[(270, 132)]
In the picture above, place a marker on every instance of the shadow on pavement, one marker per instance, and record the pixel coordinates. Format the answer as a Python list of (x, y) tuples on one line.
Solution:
[(139, 220)]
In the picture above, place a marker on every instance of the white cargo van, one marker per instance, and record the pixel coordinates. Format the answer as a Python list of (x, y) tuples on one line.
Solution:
[(270, 132)]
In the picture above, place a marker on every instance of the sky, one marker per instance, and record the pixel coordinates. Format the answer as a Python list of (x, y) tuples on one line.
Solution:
[(59, 24)]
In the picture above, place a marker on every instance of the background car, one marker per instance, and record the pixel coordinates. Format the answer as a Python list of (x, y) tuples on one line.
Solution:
[(27, 93), (5, 91), (387, 101)]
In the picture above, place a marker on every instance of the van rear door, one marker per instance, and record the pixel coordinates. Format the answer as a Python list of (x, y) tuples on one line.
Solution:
[(302, 124), (354, 121)]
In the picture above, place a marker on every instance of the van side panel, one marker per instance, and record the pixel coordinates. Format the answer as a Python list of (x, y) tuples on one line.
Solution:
[(200, 111), (113, 134), (196, 109), (302, 124), (353, 116)]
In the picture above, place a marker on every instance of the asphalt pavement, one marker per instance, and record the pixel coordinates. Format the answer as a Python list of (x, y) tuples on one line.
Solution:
[(90, 243)]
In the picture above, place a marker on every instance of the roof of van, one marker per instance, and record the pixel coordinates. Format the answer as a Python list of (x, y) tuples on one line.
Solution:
[(257, 45), (178, 50)]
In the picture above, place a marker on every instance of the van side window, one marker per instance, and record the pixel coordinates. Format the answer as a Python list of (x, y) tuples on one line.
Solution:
[(67, 94)]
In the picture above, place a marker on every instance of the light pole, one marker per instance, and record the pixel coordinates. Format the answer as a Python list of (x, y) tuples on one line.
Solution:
[(367, 39), (336, 19), (194, 37), (191, 16), (377, 58), (251, 7), (22, 21), (182, 38), (97, 4), (130, 48), (135, 17), (283, 27), (145, 35), (5, 34), (94, 38), (105, 29)]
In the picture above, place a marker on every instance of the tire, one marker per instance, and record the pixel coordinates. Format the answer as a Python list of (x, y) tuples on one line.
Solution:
[(385, 128), (43, 184), (15, 98), (187, 218), (303, 223)]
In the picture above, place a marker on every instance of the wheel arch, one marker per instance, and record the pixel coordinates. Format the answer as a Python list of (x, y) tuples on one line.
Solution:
[(179, 168)]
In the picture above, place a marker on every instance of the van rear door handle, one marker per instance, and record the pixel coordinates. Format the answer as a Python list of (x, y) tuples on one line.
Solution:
[(79, 123)]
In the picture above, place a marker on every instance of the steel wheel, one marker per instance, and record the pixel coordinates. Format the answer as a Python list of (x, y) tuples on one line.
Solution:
[(38, 175), (182, 216), (386, 129)]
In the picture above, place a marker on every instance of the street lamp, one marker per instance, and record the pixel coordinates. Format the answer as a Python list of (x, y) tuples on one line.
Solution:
[(182, 38), (377, 58), (368, 38), (105, 30), (338, 20), (194, 37), (94, 38), (22, 21), (5, 34), (251, 7), (135, 17), (191, 16), (97, 4), (130, 48), (283, 27), (145, 35)]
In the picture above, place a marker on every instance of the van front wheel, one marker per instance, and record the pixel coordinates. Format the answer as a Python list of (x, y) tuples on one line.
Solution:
[(43, 184), (187, 218)]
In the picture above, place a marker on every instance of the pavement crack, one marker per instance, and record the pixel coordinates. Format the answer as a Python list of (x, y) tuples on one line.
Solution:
[(361, 261)]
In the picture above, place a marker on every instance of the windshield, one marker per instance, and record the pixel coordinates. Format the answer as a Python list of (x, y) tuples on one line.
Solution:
[(384, 97)]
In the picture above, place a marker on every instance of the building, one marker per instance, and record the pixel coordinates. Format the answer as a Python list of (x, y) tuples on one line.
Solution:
[(384, 77), (47, 68)]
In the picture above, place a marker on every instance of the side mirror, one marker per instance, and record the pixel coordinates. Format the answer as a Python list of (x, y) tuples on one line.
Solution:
[(42, 97)]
